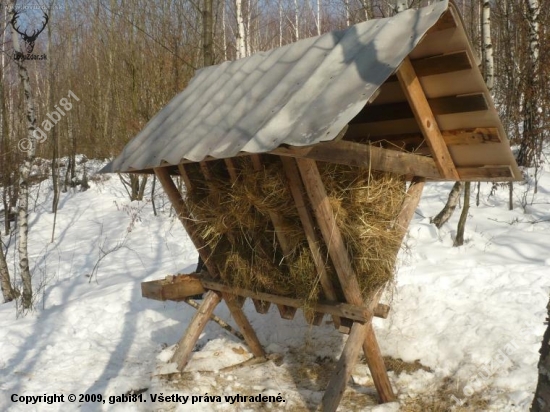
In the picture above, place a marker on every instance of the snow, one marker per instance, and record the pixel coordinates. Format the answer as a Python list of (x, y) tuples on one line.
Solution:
[(473, 314)]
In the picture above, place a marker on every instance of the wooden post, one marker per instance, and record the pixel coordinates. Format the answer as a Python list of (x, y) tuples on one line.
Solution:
[(188, 341), (196, 326), (370, 346), (337, 385), (350, 286)]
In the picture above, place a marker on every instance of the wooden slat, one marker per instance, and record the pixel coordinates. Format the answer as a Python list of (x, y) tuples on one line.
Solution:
[(441, 64), (486, 174), (460, 137), (425, 118), (357, 154), (438, 106), (446, 63), (308, 225), (182, 353), (277, 220), (372, 352)]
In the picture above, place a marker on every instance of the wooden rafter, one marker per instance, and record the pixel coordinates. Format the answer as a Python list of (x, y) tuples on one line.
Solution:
[(425, 118), (458, 137)]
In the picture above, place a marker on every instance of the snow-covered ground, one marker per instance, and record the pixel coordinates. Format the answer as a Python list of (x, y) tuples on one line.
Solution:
[(472, 316)]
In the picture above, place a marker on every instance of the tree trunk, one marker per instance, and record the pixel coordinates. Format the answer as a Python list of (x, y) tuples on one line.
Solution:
[(239, 36), (459, 240), (541, 401), (207, 33), (449, 208), (8, 291), (24, 172), (528, 151), (487, 49)]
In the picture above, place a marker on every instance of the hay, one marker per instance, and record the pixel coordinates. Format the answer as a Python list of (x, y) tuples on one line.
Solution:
[(235, 221)]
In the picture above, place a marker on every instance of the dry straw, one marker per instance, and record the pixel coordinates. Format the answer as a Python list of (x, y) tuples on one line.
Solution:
[(235, 220)]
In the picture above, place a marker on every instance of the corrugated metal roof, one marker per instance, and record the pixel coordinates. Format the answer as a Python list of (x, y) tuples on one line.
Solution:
[(299, 94)]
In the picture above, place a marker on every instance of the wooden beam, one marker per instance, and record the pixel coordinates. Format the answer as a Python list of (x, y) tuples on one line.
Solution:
[(344, 310), (438, 106), (486, 174), (339, 379), (181, 357), (377, 368), (457, 137), (308, 225), (440, 64), (185, 178), (425, 118), (446, 63), (362, 155)]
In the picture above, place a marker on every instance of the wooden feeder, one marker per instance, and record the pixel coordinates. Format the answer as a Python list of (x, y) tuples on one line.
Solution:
[(401, 95)]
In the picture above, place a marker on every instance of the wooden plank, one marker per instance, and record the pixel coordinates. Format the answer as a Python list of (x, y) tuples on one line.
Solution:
[(339, 379), (445, 63), (438, 106), (344, 310), (180, 355), (425, 118), (487, 174), (362, 155), (457, 137), (440, 64), (445, 22), (308, 225)]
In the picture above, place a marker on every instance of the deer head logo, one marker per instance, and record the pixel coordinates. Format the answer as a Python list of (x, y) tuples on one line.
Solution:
[(29, 39)]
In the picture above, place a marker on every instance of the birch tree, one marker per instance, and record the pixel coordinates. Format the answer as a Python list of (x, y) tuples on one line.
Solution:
[(487, 49), (24, 170)]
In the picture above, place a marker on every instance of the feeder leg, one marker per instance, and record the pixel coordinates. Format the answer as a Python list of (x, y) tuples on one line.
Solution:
[(196, 326), (244, 325), (375, 361), (348, 359)]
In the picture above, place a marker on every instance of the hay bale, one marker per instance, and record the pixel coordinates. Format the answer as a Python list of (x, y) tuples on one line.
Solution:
[(235, 221)]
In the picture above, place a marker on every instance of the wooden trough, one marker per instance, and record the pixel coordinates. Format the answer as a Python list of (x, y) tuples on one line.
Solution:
[(426, 116)]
